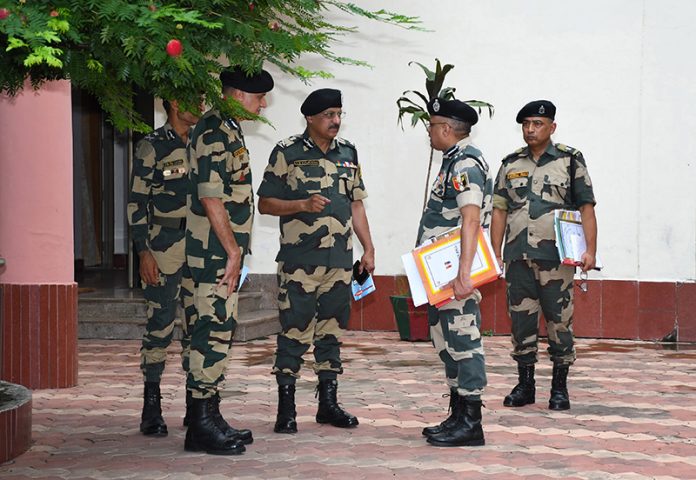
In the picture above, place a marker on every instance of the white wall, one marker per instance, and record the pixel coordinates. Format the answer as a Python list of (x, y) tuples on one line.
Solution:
[(619, 71)]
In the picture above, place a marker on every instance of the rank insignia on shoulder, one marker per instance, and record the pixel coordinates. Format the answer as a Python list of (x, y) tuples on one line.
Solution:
[(513, 175), (566, 148), (460, 181), (239, 152), (306, 163)]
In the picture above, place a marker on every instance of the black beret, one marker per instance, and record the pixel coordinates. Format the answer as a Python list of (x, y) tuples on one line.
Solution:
[(260, 82), (320, 100), (537, 108), (455, 109)]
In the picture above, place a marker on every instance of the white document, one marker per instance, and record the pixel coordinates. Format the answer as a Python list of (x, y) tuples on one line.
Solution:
[(418, 294)]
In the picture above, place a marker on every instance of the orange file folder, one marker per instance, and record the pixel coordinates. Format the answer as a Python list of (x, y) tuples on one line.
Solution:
[(438, 264)]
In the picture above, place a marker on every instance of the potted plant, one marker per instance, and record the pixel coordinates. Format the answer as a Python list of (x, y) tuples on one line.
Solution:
[(412, 321)]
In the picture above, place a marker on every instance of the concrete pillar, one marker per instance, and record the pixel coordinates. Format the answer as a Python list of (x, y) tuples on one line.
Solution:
[(38, 295)]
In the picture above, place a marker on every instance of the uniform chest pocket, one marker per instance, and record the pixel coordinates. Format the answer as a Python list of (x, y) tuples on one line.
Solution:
[(555, 187), (346, 181), (517, 188), (306, 178), (237, 168)]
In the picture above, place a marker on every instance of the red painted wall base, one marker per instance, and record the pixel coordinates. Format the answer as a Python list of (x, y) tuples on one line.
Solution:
[(38, 335), (609, 309)]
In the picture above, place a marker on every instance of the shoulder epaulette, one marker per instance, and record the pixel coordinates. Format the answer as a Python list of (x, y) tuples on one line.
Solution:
[(286, 142), (155, 135), (343, 141), (567, 149), (514, 154)]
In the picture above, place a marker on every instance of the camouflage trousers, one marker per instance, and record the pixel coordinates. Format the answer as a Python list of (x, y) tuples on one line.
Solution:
[(314, 308), (454, 330), (162, 301), (534, 285), (211, 338)]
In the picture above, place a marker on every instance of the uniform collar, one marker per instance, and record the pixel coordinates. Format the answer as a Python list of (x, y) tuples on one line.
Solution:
[(231, 123), (457, 147), (309, 143), (170, 132)]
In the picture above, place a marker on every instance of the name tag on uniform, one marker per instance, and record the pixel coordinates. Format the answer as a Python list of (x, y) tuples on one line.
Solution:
[(173, 167), (513, 175), (239, 152), (306, 163)]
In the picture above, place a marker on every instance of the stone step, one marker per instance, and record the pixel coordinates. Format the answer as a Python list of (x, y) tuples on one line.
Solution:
[(110, 307), (252, 324), (122, 314)]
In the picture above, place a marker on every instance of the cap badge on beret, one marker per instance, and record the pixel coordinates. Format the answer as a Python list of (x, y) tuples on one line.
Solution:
[(542, 110), (436, 105)]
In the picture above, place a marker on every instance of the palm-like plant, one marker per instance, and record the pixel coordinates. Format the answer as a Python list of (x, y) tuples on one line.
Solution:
[(418, 107)]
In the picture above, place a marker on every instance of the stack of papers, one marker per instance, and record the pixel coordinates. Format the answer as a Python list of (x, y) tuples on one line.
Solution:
[(433, 265), (570, 237)]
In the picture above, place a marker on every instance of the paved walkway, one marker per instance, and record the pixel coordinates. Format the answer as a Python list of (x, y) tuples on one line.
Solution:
[(633, 416)]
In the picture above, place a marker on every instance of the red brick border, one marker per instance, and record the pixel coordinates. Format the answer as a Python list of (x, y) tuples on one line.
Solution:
[(609, 309), (38, 330)]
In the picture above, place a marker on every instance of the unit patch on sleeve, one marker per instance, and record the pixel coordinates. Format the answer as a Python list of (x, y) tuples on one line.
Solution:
[(460, 181)]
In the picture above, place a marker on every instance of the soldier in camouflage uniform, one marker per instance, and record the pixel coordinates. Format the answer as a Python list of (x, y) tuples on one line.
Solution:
[(157, 214), (313, 183), (531, 183), (219, 219), (461, 196)]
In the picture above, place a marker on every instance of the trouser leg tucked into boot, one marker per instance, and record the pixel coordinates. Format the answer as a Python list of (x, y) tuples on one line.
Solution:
[(525, 390), (285, 420), (559, 389), (243, 434), (467, 431), (329, 409), (151, 421), (205, 434), (449, 421), (187, 417)]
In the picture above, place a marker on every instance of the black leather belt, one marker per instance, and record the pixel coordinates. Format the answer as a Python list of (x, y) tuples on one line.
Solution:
[(170, 222)]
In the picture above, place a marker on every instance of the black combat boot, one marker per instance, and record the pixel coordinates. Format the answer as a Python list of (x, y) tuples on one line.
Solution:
[(467, 431), (524, 391), (449, 421), (329, 410), (205, 435), (243, 434), (151, 421), (285, 420), (559, 389), (187, 417)]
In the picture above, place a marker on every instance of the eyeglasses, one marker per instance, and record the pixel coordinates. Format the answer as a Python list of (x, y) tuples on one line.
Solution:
[(330, 115), (431, 125)]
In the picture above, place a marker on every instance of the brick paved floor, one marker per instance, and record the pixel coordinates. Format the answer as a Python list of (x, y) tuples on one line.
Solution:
[(633, 416)]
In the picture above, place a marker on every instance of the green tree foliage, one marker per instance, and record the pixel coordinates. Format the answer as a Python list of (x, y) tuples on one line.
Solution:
[(111, 47)]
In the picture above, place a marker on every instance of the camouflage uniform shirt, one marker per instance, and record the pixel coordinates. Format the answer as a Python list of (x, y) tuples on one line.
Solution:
[(463, 180), (530, 191), (297, 169), (159, 185), (219, 169)]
